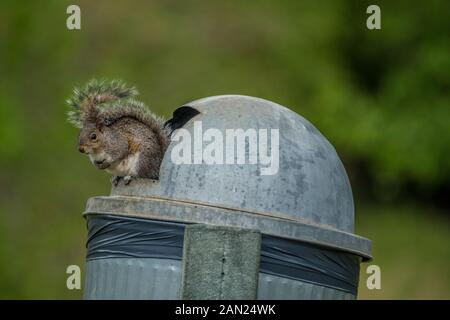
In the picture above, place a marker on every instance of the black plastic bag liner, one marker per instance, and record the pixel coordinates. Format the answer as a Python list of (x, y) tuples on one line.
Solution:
[(112, 236)]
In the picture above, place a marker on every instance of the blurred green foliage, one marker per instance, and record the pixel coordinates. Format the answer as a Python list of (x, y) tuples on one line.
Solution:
[(381, 97)]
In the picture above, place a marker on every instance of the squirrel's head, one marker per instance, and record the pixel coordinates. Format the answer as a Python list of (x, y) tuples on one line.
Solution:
[(103, 144)]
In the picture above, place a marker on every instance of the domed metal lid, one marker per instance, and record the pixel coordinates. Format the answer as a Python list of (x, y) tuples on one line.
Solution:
[(300, 181)]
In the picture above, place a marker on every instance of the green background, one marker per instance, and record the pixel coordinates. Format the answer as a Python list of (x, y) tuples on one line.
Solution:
[(381, 97)]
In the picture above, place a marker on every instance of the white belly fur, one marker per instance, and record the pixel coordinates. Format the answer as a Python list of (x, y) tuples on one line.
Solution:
[(126, 167)]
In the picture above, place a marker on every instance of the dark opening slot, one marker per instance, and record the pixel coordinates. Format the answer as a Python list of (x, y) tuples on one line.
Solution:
[(180, 117)]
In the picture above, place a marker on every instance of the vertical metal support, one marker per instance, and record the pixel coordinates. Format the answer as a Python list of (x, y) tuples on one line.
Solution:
[(220, 263)]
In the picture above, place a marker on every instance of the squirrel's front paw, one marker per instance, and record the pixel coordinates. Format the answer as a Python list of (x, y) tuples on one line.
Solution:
[(127, 179), (115, 180)]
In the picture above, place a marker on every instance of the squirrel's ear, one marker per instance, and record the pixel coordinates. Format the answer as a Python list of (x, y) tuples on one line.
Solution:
[(99, 125)]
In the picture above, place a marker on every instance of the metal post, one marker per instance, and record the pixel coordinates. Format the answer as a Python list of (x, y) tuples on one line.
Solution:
[(220, 263)]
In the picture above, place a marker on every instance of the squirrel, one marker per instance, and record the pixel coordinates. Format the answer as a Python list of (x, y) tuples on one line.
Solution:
[(118, 133)]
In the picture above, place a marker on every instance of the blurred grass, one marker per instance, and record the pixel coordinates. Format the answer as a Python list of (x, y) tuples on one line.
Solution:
[(410, 245)]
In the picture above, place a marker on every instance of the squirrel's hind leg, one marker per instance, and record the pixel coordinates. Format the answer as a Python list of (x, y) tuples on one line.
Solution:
[(115, 180)]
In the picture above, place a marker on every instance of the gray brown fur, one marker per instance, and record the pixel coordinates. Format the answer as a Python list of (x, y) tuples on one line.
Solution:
[(123, 138)]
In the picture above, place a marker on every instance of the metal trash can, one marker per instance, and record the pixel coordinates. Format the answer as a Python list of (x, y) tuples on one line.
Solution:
[(304, 212)]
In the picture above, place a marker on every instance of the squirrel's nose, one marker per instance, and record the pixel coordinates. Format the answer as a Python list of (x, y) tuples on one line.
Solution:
[(81, 149)]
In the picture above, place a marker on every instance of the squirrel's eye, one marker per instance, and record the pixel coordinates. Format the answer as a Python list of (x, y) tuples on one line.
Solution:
[(93, 136)]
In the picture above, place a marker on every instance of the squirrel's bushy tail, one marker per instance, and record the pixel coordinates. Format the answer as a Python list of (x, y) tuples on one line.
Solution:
[(85, 101)]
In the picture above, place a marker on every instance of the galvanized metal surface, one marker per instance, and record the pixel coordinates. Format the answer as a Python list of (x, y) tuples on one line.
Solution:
[(278, 288), (309, 198), (153, 279), (311, 183), (130, 278)]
